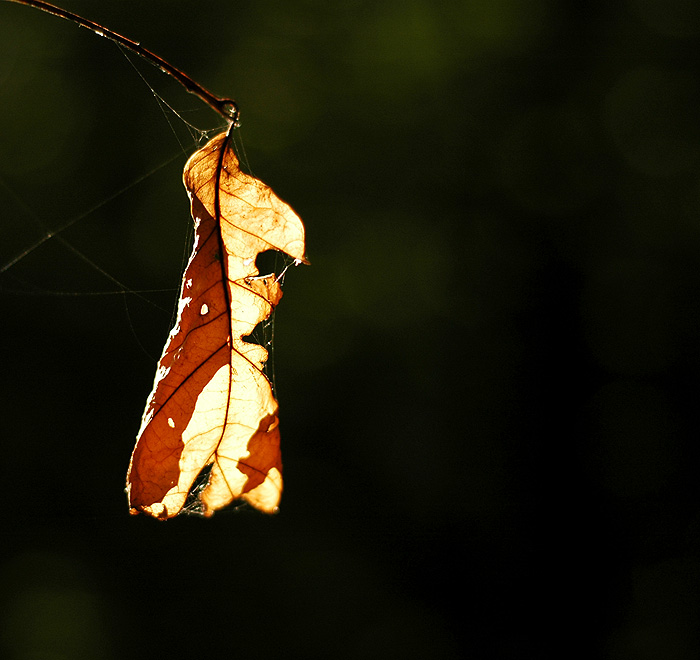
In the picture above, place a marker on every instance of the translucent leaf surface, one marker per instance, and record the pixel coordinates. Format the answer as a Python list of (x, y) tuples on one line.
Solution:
[(211, 403)]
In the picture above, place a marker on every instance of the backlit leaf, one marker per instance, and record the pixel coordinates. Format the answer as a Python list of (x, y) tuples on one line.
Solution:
[(211, 403)]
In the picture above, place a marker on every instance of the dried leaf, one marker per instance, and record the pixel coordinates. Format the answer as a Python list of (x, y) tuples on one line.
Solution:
[(211, 403)]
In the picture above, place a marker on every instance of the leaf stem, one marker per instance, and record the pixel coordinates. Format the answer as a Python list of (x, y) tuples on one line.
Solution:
[(227, 108)]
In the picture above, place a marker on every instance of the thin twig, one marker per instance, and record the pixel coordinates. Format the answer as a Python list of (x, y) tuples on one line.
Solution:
[(228, 108)]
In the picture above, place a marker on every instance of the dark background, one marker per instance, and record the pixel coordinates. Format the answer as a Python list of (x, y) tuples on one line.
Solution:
[(488, 377)]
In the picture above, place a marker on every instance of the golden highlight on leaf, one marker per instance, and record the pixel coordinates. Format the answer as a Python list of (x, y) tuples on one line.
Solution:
[(211, 403)]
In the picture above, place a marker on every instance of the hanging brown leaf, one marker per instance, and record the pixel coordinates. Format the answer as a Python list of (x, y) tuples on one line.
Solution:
[(211, 404)]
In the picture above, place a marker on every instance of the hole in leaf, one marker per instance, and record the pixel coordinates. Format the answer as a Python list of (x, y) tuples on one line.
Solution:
[(193, 504), (269, 262)]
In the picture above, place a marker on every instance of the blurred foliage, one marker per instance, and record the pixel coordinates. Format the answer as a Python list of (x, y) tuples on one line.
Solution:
[(488, 375)]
